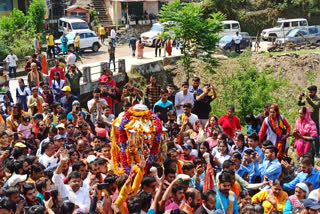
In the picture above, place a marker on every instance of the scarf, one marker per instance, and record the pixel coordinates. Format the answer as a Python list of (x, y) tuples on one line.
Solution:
[(279, 130), (39, 106), (179, 167), (38, 78), (208, 182), (22, 91)]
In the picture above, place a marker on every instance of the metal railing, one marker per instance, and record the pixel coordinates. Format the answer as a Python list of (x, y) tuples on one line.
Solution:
[(89, 72)]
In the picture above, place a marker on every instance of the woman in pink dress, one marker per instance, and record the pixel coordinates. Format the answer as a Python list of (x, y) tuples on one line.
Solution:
[(305, 131), (140, 47)]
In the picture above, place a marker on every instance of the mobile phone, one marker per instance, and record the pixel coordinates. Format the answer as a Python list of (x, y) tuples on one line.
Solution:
[(47, 196), (15, 136), (102, 186), (267, 179), (78, 108)]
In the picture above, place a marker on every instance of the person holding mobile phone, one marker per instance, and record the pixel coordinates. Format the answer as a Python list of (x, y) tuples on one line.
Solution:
[(95, 103)]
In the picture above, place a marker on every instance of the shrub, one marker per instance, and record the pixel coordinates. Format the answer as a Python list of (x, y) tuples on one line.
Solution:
[(247, 89)]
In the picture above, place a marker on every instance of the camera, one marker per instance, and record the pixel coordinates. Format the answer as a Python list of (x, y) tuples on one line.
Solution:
[(78, 108), (303, 94), (103, 186)]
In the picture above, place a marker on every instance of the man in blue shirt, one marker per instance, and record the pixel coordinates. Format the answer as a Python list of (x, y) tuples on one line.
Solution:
[(253, 140), (239, 168), (163, 106), (307, 174), (194, 88), (271, 167), (253, 168), (226, 199)]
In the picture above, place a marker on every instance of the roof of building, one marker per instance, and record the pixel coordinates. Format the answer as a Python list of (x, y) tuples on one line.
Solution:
[(83, 3)]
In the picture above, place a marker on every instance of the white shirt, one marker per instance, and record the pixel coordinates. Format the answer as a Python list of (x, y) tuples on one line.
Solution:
[(47, 161), (80, 198), (71, 59), (192, 118), (113, 34), (94, 114), (11, 59), (237, 39), (181, 98)]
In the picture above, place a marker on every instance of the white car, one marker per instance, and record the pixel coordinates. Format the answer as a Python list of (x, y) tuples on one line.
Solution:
[(148, 38), (282, 28), (230, 27), (69, 24), (88, 40)]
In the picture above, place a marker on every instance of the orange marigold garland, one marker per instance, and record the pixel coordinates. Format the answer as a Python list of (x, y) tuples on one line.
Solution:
[(126, 125)]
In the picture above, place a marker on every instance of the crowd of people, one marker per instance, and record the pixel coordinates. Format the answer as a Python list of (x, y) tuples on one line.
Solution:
[(55, 150)]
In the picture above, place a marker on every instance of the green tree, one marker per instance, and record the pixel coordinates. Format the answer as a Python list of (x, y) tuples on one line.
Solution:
[(36, 14), (13, 23), (200, 35)]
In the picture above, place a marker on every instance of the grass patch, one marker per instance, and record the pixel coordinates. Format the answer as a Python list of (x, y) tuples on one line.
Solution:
[(299, 52)]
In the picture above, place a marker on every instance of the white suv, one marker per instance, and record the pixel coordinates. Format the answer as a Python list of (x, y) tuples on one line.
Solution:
[(282, 28), (88, 40)]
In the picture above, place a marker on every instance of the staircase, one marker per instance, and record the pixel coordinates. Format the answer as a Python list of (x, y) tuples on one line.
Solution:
[(104, 17)]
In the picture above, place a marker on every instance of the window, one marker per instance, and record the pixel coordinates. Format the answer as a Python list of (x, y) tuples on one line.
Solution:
[(286, 24), (235, 26), (303, 32), (82, 35), (303, 23), (73, 13), (82, 14), (89, 35), (227, 27), (295, 24), (313, 30)]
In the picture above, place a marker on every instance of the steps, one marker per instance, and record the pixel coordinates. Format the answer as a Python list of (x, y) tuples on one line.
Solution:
[(104, 17)]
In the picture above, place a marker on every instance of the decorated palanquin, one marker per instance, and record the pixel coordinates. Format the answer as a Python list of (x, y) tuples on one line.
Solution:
[(135, 133)]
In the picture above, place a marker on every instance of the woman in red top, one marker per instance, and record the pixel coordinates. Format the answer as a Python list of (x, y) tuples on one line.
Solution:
[(230, 123)]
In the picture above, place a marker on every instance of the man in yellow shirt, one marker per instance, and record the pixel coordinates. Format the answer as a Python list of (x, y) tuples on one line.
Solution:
[(50, 43), (102, 33), (77, 44)]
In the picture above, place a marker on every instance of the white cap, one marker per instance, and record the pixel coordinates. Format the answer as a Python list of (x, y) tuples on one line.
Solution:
[(15, 179), (91, 158), (140, 107)]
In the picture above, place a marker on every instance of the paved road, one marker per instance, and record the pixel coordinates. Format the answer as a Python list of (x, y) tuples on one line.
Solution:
[(93, 59)]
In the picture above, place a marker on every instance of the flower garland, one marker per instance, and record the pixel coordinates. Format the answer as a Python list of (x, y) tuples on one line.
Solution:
[(126, 124), (115, 149)]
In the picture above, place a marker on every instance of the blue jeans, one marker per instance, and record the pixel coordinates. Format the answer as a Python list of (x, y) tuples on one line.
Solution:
[(13, 69), (112, 58)]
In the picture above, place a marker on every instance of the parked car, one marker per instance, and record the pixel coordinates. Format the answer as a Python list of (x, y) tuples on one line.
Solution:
[(230, 27), (282, 28), (227, 43), (309, 34), (72, 24), (88, 40), (148, 38)]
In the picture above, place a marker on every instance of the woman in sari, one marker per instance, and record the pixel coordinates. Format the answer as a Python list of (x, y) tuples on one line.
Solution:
[(168, 46), (64, 44), (305, 131), (15, 118), (273, 199), (43, 59), (140, 47), (278, 130), (301, 192)]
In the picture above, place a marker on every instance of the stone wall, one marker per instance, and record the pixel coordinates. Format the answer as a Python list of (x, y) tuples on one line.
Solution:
[(140, 74)]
